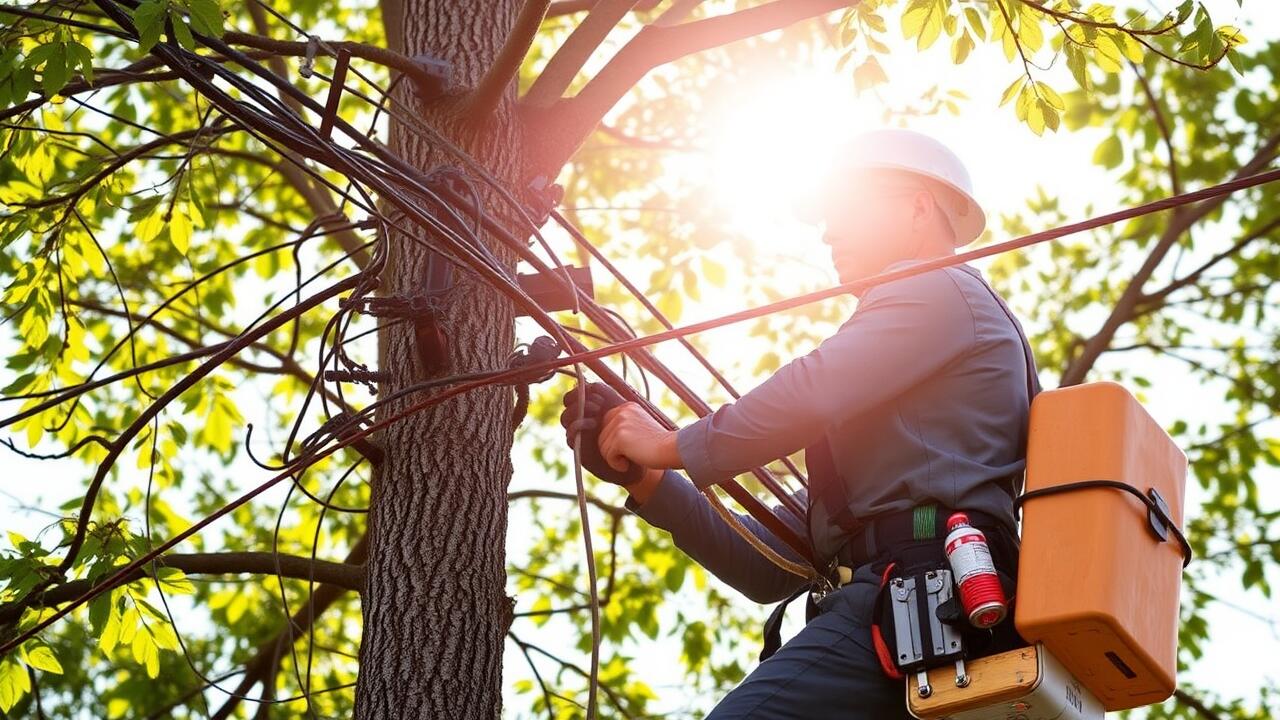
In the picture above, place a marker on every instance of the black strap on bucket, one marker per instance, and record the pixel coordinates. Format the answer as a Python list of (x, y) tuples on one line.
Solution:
[(1158, 520)]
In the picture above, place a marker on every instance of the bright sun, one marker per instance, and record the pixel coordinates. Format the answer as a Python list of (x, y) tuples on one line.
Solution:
[(770, 146)]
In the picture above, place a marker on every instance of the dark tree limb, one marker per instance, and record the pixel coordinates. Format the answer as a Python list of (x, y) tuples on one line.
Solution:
[(567, 62), (1193, 276), (317, 198), (344, 575), (258, 668), (1126, 307), (372, 53), (561, 127), (482, 101), (1196, 704)]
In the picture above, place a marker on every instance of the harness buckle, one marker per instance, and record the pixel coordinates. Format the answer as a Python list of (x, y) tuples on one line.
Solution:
[(836, 577)]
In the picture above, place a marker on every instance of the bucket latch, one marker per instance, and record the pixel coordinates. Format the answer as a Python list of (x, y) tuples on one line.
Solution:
[(1158, 515)]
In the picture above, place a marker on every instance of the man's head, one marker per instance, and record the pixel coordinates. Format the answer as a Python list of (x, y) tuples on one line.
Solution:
[(895, 195)]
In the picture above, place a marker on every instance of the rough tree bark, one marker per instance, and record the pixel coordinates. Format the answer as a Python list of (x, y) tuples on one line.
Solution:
[(435, 610)]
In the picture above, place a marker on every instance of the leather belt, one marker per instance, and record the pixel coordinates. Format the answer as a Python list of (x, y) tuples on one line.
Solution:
[(889, 530)]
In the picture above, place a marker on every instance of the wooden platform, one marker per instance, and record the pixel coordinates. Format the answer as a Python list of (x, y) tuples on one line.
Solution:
[(1027, 684), (993, 680)]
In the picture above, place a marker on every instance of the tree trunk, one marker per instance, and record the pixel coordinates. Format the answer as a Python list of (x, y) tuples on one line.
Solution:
[(434, 605)]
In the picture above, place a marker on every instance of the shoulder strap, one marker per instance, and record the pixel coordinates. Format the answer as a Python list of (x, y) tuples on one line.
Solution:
[(1033, 380)]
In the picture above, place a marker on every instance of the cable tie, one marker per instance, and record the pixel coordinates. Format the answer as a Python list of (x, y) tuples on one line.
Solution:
[(308, 61)]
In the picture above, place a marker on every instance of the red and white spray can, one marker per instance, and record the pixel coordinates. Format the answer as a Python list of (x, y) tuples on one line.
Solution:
[(975, 574)]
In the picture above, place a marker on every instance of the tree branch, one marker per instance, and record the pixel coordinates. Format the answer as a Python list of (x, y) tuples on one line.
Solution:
[(482, 101), (344, 575), (560, 8), (372, 53), (564, 125), (320, 202), (257, 668), (1162, 125), (613, 510), (1196, 704), (1194, 275), (567, 62), (1126, 306)]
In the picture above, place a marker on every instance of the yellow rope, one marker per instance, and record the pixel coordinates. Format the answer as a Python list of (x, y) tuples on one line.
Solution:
[(754, 540)]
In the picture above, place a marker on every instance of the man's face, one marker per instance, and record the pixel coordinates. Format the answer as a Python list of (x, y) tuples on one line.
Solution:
[(872, 219)]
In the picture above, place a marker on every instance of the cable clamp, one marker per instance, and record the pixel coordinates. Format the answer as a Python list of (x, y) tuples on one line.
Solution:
[(541, 350), (542, 196), (308, 61)]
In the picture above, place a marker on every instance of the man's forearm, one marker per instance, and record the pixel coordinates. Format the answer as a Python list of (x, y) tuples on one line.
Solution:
[(671, 502)]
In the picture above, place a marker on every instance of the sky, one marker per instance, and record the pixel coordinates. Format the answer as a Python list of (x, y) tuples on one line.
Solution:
[(802, 114)]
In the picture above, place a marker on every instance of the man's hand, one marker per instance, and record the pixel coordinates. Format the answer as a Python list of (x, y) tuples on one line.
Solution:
[(586, 422), (631, 435)]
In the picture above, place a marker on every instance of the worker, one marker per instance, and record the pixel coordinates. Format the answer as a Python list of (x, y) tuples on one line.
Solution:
[(916, 407)]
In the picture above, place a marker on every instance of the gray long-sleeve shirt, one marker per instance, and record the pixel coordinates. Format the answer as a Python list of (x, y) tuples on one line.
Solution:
[(922, 395)]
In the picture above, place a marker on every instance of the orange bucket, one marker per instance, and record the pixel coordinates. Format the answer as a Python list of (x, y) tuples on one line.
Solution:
[(1096, 584)]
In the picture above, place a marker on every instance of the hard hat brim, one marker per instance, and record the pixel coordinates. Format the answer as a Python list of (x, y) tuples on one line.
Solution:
[(967, 221)]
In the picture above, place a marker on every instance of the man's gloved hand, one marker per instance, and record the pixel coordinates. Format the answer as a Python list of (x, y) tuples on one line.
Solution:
[(599, 399)]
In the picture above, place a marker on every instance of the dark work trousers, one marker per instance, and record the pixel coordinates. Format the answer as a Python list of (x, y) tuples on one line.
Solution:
[(828, 670)]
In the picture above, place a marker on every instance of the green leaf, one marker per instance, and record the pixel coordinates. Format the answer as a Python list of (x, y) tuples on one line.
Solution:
[(180, 32), (14, 683), (82, 56), (42, 658), (1050, 96), (174, 581), (151, 225), (1012, 90), (714, 271), (674, 578), (1029, 33), (923, 20), (1110, 153), (975, 22), (180, 230), (1078, 64), (1107, 53), (53, 76), (111, 633), (149, 19), (99, 611), (961, 47), (206, 17), (869, 74)]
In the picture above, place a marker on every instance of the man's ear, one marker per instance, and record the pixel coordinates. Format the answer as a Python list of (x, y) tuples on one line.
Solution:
[(923, 210)]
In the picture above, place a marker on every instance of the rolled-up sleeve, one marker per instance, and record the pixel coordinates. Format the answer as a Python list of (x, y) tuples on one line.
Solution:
[(901, 333), (679, 508)]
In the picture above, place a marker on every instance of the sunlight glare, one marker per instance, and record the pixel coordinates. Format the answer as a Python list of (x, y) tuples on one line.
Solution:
[(770, 147)]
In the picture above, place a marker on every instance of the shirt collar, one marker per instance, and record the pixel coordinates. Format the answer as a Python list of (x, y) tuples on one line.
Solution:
[(916, 261)]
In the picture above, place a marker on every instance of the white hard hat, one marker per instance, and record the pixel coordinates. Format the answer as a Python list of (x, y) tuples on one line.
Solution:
[(918, 154)]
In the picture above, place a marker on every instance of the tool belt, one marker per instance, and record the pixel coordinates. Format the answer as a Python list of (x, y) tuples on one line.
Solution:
[(905, 544)]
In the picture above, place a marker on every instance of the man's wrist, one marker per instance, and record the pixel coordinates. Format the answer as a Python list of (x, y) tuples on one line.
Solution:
[(669, 451), (642, 489)]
